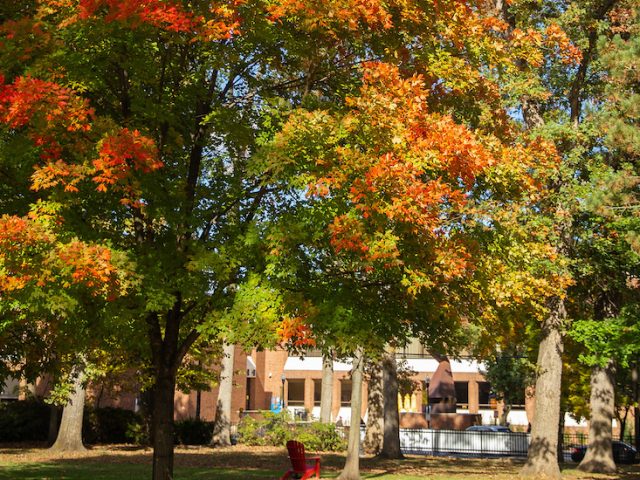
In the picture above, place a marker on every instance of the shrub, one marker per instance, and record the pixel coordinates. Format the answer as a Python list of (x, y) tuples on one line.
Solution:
[(109, 425), (24, 421), (193, 432), (251, 432), (138, 433), (321, 437), (274, 429), (277, 429)]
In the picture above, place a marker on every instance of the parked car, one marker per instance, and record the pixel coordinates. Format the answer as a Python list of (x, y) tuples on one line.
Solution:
[(488, 428), (622, 452)]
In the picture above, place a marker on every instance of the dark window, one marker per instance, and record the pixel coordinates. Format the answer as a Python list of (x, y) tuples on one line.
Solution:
[(317, 392), (295, 395), (462, 394), (249, 398), (484, 389), (345, 393)]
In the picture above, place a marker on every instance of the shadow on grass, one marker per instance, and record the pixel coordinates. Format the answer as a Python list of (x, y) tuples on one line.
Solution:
[(240, 463)]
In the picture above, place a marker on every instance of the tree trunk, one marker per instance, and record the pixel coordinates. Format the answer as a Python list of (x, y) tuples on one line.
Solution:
[(326, 394), (162, 424), (542, 460), (391, 442), (198, 403), (599, 456), (198, 398), (222, 424), (375, 408), (506, 408), (351, 470), (623, 423), (636, 409), (70, 432)]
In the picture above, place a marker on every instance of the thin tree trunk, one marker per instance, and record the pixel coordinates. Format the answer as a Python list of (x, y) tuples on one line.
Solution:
[(222, 423), (70, 433), (543, 450), (198, 398), (623, 423), (326, 394), (599, 456), (351, 470), (506, 408), (162, 424), (198, 403), (391, 442), (635, 378), (375, 408)]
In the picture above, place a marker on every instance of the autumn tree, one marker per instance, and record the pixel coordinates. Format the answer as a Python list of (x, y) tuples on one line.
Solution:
[(556, 103), (137, 121), (393, 200), (54, 289), (179, 132), (140, 122)]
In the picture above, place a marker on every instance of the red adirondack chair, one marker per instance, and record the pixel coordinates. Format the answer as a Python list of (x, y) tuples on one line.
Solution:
[(303, 467)]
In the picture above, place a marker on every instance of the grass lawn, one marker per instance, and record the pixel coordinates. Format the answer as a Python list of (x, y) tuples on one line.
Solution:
[(240, 463)]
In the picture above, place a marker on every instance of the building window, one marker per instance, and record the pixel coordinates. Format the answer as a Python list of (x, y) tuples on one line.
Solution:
[(462, 394), (295, 394), (249, 397), (9, 389), (317, 392), (413, 349), (345, 393), (484, 390)]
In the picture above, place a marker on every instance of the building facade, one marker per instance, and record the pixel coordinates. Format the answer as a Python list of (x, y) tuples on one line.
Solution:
[(271, 379)]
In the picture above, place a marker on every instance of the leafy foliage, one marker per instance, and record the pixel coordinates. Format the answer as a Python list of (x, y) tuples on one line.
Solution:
[(109, 425), (24, 421), (276, 429)]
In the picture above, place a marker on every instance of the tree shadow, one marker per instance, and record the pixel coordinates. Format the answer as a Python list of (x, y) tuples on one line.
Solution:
[(254, 462)]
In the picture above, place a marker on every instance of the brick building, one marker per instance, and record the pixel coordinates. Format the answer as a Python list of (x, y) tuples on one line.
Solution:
[(263, 379)]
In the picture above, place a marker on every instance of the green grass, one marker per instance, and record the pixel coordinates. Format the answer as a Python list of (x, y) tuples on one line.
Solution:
[(62, 471), (252, 463), (67, 470)]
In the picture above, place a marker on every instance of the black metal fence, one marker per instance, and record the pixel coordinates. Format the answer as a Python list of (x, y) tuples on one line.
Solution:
[(574, 438), (478, 444), (454, 442)]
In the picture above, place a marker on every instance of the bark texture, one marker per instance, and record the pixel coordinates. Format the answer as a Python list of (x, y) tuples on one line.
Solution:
[(391, 441), (599, 456), (162, 425), (222, 423), (542, 461), (351, 470), (70, 432), (326, 394), (375, 410)]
